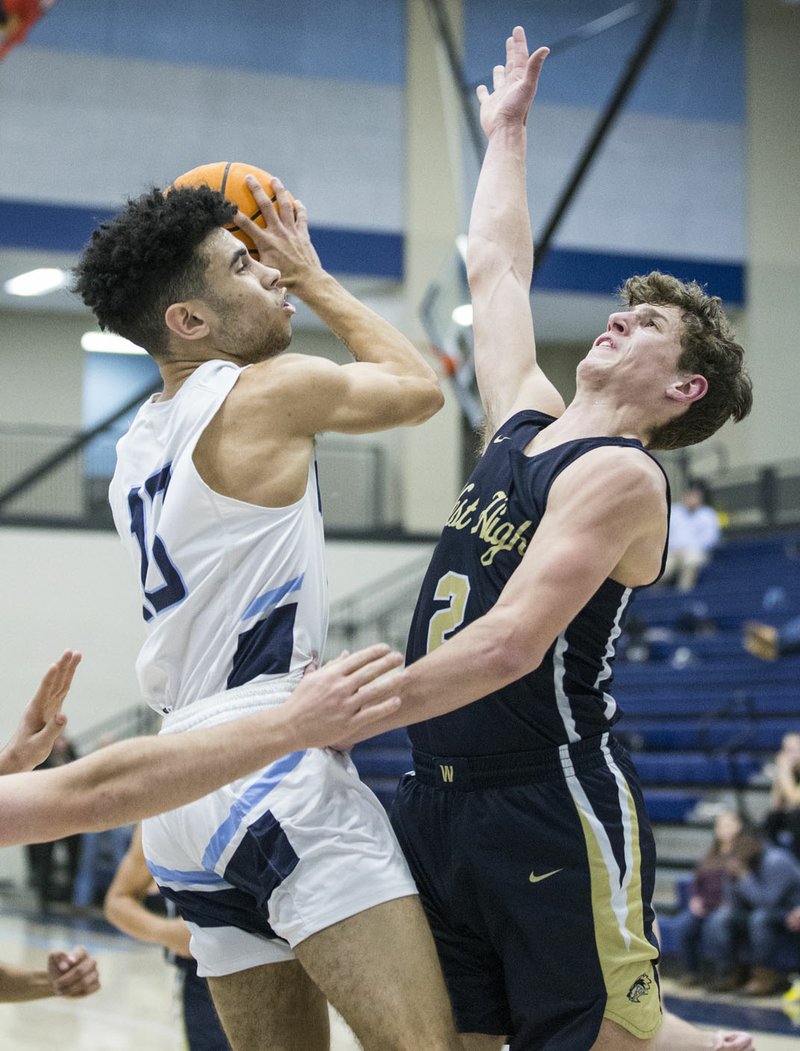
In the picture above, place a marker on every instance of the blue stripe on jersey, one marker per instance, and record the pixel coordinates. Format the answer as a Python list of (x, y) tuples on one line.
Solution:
[(245, 804), (164, 875), (272, 597)]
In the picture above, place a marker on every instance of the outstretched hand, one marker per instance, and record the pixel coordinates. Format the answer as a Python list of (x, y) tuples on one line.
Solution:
[(514, 84), (338, 701), (284, 243), (42, 720)]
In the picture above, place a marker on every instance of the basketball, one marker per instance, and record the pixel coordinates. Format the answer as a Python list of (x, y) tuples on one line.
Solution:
[(228, 178)]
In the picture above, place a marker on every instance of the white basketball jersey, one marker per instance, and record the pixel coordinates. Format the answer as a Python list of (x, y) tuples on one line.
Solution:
[(233, 592)]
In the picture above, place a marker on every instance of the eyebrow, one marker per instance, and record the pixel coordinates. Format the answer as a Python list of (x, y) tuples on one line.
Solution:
[(649, 311), (236, 257)]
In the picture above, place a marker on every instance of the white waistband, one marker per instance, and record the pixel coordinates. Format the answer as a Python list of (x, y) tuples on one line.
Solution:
[(231, 704)]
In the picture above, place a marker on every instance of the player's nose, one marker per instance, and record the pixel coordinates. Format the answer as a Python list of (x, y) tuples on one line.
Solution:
[(619, 322), (270, 277)]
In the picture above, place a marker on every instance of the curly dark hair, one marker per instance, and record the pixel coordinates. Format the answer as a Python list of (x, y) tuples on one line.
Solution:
[(708, 347), (146, 258)]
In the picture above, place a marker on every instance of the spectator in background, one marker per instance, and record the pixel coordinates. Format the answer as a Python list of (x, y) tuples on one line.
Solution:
[(756, 930), (134, 905), (782, 823), (47, 881), (694, 531), (705, 893), (768, 643)]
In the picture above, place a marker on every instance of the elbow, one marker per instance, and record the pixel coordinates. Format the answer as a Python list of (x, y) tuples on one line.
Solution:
[(428, 399), (509, 655)]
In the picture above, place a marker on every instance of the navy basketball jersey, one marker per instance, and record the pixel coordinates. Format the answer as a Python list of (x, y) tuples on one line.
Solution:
[(567, 698)]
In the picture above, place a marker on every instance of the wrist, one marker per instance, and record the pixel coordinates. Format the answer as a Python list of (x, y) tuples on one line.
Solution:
[(510, 130), (11, 760), (309, 283)]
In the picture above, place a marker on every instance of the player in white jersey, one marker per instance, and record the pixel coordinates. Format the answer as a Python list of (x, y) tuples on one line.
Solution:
[(291, 880), (214, 622)]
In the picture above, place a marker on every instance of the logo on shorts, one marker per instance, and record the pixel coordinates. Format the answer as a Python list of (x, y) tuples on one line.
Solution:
[(640, 988), (501, 438), (447, 772), (538, 879)]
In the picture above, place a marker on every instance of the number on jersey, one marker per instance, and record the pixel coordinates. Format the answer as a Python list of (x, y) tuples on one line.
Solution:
[(173, 590), (454, 589)]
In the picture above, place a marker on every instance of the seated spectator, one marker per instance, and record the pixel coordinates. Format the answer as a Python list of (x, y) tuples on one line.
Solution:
[(72, 974), (782, 823), (705, 894), (768, 643), (756, 930), (694, 531)]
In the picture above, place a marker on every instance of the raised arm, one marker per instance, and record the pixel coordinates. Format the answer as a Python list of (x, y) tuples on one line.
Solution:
[(390, 384), (500, 247), (146, 775)]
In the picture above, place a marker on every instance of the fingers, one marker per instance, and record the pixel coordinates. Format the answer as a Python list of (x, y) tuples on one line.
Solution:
[(73, 974), (346, 663), (56, 683), (64, 670), (373, 713), (283, 199), (498, 77), (367, 673)]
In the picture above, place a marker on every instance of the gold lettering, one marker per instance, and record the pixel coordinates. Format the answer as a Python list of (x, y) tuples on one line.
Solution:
[(500, 541), (489, 516), (461, 515), (447, 773)]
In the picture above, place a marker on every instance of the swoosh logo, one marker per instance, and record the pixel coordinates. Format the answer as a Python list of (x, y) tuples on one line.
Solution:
[(501, 439), (538, 879)]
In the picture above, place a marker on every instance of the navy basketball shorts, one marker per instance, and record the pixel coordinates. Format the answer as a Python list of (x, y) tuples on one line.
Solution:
[(536, 871)]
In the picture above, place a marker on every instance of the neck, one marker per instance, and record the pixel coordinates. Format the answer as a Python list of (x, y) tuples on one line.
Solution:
[(175, 374), (589, 415)]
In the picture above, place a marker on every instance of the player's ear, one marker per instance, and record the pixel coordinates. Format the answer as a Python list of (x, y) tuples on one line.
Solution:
[(688, 390), (187, 320)]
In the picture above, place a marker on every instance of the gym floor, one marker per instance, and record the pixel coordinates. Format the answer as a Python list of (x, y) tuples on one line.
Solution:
[(136, 1007)]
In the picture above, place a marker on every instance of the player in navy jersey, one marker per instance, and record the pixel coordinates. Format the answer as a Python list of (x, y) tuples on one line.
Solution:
[(523, 821)]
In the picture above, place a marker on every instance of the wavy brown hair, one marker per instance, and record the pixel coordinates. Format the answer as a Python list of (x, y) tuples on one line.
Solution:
[(708, 347)]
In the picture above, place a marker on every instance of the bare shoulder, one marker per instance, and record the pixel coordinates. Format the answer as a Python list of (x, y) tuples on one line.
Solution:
[(286, 394), (615, 475), (283, 373), (619, 495)]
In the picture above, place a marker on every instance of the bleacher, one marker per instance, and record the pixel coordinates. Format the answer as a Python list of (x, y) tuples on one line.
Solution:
[(702, 716)]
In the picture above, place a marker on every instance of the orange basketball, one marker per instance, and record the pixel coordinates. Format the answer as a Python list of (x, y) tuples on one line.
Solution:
[(228, 178)]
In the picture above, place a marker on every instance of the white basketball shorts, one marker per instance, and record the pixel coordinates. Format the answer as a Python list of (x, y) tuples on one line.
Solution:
[(265, 862)]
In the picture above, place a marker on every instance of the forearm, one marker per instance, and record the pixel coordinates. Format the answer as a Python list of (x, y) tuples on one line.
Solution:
[(137, 778), (499, 230), (10, 762), (130, 916), (367, 336), (18, 985), (480, 659)]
